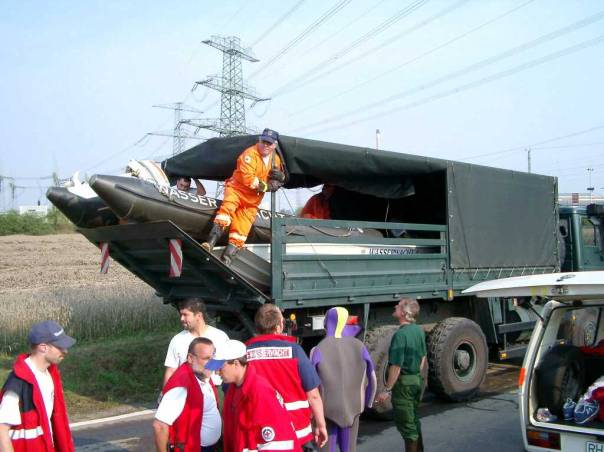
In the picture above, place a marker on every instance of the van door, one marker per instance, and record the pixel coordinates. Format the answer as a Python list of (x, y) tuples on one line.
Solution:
[(567, 363)]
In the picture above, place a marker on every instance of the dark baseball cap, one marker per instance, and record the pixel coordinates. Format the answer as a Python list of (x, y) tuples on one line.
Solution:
[(269, 135), (49, 332)]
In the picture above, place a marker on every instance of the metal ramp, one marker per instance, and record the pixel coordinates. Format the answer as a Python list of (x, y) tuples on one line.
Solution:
[(143, 250)]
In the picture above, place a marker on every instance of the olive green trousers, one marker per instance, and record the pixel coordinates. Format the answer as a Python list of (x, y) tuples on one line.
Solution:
[(406, 396)]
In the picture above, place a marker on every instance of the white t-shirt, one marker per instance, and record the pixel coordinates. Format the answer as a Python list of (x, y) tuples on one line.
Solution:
[(173, 402), (9, 408), (179, 345)]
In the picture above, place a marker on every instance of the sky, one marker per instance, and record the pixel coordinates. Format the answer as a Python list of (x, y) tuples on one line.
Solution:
[(480, 81)]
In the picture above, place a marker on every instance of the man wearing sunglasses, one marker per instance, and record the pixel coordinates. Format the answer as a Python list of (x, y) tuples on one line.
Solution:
[(259, 169), (33, 415), (187, 418)]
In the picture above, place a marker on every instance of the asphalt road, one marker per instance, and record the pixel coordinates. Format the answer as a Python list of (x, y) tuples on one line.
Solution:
[(488, 423)]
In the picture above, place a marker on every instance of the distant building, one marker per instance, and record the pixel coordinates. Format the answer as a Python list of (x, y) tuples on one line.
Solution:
[(579, 199), (41, 211)]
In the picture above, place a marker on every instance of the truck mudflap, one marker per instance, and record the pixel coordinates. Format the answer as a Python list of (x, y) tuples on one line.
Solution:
[(143, 249)]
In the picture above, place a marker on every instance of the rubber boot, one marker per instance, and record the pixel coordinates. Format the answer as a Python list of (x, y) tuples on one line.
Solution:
[(213, 237), (411, 446), (228, 254)]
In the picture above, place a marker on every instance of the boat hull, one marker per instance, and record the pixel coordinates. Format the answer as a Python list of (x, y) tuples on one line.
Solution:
[(83, 212)]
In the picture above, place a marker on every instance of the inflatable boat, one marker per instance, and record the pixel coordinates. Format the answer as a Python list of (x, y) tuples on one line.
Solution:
[(138, 201)]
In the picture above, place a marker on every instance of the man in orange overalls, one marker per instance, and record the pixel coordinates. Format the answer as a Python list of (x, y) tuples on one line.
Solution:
[(255, 174)]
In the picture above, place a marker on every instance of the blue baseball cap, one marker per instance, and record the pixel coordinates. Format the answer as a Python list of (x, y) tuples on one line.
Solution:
[(226, 351), (269, 135), (49, 332)]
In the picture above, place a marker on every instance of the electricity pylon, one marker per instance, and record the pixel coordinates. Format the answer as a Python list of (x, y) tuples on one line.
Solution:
[(233, 91), (178, 134)]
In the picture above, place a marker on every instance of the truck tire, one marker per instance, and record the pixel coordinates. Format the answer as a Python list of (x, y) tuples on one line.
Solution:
[(457, 357), (559, 376), (377, 342), (584, 327)]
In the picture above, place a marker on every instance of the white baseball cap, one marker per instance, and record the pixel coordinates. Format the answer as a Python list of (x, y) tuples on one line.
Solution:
[(226, 351)]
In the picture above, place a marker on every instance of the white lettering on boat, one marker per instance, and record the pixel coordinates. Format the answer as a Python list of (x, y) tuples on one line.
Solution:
[(391, 251), (266, 214)]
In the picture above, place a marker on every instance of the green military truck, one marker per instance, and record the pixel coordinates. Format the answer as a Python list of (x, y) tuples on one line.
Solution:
[(409, 226)]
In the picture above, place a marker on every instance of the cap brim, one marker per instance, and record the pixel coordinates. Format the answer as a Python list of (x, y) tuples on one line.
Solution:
[(215, 364), (64, 342), (267, 138)]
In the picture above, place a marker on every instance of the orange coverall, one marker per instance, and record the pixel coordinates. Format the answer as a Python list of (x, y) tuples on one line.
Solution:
[(316, 207), (241, 198)]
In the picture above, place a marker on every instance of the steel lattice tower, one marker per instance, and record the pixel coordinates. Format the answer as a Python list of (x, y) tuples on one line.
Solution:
[(233, 91), (179, 135)]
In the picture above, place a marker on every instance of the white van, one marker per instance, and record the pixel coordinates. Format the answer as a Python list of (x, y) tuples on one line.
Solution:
[(564, 358)]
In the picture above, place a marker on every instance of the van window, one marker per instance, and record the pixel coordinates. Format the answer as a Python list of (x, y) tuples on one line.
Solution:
[(589, 233), (563, 227)]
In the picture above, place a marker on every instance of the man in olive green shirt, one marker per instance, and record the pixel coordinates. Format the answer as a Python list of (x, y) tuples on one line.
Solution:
[(406, 356)]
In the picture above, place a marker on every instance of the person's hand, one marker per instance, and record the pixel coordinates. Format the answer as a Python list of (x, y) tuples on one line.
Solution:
[(274, 185), (262, 187), (320, 435), (382, 397), (277, 175)]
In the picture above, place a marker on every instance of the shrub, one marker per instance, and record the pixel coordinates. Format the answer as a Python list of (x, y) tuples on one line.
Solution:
[(13, 223), (30, 224)]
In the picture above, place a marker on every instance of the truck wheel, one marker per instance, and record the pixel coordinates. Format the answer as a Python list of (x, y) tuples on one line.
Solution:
[(559, 376), (457, 356), (378, 342)]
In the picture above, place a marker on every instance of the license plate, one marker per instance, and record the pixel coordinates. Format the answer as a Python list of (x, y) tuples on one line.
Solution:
[(591, 446)]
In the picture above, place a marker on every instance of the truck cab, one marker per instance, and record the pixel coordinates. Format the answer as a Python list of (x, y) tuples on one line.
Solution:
[(581, 234)]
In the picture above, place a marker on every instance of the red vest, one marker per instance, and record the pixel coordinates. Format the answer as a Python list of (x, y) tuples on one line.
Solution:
[(277, 363), (34, 434), (254, 419), (185, 431)]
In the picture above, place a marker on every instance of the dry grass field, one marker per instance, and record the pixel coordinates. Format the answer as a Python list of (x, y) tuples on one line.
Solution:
[(57, 277), (122, 328)]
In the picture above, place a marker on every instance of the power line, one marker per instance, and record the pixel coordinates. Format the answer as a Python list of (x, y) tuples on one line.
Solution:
[(233, 16), (572, 169), (299, 38), (363, 15), (538, 143), (115, 154), (275, 24), (406, 63), (303, 80), (482, 81), (27, 178), (471, 68), (374, 32), (571, 145)]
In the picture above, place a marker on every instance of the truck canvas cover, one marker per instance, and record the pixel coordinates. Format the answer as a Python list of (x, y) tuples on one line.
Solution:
[(495, 218)]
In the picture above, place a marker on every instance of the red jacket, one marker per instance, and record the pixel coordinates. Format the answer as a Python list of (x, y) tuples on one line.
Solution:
[(185, 431), (317, 207), (34, 433), (254, 418), (280, 360)]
